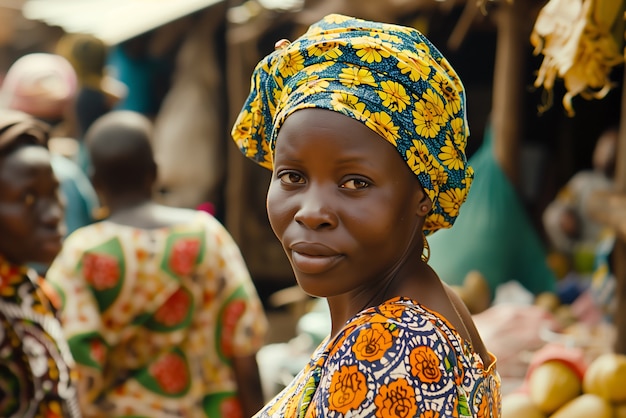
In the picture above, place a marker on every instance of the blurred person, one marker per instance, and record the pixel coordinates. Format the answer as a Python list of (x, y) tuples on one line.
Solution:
[(570, 229), (157, 304), (97, 92), (44, 86), (36, 378)]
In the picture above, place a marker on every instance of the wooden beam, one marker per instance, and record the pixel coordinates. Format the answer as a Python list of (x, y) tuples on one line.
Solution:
[(506, 114)]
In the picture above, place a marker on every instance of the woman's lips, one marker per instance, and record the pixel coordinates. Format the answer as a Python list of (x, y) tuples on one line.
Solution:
[(313, 258)]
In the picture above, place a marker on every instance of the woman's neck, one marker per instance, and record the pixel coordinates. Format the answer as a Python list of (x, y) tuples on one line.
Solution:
[(126, 201)]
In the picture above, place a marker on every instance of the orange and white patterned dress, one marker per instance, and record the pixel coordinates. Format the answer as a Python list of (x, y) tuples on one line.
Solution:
[(398, 359), (154, 317)]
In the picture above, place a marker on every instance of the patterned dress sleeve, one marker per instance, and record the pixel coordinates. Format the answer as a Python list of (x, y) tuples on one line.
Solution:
[(81, 321), (393, 364), (241, 325)]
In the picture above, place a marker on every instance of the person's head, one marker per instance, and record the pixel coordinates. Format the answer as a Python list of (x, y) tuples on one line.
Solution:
[(121, 156), (30, 208), (87, 54), (605, 152), (357, 105), (40, 84)]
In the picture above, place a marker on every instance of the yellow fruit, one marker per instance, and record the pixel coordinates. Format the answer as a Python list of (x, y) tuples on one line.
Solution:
[(606, 377), (552, 384), (519, 405), (584, 406), (548, 300), (477, 293)]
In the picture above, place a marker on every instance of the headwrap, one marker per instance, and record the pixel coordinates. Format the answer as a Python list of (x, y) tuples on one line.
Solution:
[(389, 77), (40, 84), (16, 125)]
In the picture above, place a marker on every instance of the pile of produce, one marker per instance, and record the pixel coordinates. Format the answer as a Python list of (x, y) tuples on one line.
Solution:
[(562, 388)]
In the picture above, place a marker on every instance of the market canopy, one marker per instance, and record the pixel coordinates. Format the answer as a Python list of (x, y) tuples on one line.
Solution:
[(113, 21)]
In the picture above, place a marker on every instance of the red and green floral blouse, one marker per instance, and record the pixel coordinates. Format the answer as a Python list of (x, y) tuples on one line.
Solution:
[(35, 362), (154, 317), (396, 360)]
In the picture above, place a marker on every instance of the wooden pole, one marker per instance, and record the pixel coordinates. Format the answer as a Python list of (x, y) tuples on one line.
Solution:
[(508, 87)]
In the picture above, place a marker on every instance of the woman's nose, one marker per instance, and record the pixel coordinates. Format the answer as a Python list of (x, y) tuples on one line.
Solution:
[(315, 209), (52, 211)]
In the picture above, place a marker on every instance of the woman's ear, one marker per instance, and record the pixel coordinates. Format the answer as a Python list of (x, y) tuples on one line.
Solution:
[(425, 205)]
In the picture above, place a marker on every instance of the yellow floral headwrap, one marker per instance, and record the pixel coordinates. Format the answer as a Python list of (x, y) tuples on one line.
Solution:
[(389, 77)]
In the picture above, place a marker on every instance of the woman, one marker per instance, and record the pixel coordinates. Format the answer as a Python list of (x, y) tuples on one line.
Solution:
[(156, 302), (363, 126), (35, 362)]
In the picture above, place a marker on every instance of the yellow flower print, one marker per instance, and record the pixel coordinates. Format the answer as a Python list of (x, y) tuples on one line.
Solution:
[(422, 46), (451, 200), (446, 89), (383, 36), (382, 123), (429, 115), (336, 18), (348, 388), (458, 130), (450, 156), (243, 127), (369, 50), (291, 63), (415, 164), (313, 85), (417, 68), (394, 96), (327, 48), (435, 220), (283, 97), (430, 414), (319, 67), (425, 364), (372, 343), (416, 157), (438, 175), (340, 101), (397, 399), (394, 28), (355, 76), (250, 146)]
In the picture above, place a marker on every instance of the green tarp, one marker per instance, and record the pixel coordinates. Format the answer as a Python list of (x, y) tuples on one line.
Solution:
[(492, 234)]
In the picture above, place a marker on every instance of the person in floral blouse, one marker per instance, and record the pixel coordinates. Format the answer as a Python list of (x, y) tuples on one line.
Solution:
[(156, 302), (364, 127), (36, 377)]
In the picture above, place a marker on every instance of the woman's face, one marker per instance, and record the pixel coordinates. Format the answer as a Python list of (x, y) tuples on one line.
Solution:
[(30, 208), (342, 202)]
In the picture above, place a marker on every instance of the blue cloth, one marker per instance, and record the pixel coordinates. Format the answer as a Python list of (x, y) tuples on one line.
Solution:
[(80, 197)]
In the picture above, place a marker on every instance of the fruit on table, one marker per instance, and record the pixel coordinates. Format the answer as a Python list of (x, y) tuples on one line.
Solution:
[(475, 292), (584, 406), (519, 405), (548, 300), (552, 384), (606, 377)]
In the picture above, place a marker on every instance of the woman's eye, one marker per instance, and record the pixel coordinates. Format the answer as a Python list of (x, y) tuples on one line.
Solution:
[(355, 184), (291, 178), (29, 199)]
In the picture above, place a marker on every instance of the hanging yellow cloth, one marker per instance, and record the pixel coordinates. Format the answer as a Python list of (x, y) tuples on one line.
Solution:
[(581, 41)]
